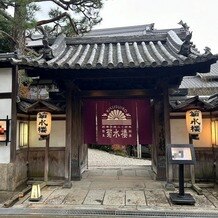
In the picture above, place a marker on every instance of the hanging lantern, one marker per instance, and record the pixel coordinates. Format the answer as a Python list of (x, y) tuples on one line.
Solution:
[(194, 121), (43, 123)]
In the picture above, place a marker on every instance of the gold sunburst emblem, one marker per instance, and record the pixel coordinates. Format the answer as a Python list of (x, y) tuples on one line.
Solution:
[(116, 115)]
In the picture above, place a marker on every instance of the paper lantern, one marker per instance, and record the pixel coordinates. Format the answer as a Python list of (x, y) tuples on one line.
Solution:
[(43, 123), (194, 121)]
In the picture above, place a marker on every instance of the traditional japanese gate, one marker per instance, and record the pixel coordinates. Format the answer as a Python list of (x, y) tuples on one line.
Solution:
[(138, 66)]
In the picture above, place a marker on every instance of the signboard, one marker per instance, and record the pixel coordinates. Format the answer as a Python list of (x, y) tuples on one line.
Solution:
[(181, 154), (43, 123), (117, 123), (194, 121), (3, 130)]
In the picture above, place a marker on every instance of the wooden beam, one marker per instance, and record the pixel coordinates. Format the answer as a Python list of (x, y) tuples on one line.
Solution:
[(5, 95), (118, 93), (14, 113)]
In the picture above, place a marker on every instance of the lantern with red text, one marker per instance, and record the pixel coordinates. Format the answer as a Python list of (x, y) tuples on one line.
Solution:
[(194, 121), (43, 123)]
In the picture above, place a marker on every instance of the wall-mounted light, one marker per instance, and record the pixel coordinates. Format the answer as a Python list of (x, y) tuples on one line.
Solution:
[(194, 121), (23, 134), (43, 123), (214, 132)]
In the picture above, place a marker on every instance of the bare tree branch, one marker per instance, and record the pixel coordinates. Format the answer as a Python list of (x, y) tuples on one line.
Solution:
[(65, 14)]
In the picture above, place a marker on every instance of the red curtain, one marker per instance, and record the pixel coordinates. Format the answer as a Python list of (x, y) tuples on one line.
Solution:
[(117, 121)]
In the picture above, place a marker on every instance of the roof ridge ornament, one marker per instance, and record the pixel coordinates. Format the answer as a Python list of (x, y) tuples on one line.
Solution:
[(184, 25), (46, 51), (149, 27), (207, 51), (186, 45)]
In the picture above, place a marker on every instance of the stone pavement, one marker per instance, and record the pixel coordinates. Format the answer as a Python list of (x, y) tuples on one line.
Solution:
[(113, 186), (130, 189)]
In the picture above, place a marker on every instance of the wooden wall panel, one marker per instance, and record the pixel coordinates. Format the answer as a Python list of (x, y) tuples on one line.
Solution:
[(56, 163)]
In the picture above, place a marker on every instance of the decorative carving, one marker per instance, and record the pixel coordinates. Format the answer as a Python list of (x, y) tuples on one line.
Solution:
[(184, 25), (207, 51), (149, 27), (47, 51), (186, 46)]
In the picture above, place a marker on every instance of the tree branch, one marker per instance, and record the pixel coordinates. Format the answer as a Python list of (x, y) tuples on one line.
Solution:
[(65, 14), (6, 15), (8, 35)]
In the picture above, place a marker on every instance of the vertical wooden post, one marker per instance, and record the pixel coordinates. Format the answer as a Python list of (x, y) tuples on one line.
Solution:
[(77, 139), (14, 113), (159, 138), (46, 159), (69, 126), (169, 170)]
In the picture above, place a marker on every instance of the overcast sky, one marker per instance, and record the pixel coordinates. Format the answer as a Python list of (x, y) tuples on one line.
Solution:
[(200, 15)]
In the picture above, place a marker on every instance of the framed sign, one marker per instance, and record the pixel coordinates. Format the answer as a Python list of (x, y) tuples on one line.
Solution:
[(4, 130), (181, 154)]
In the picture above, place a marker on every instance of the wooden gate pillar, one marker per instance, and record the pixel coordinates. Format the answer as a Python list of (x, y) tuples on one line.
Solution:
[(73, 135), (76, 137), (161, 134), (69, 128)]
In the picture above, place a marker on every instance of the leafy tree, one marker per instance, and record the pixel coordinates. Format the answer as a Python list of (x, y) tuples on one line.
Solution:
[(23, 22)]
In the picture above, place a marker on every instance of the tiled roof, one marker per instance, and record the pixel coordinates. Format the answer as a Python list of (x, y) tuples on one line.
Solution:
[(190, 82), (213, 74), (151, 49), (6, 56), (206, 80), (183, 104)]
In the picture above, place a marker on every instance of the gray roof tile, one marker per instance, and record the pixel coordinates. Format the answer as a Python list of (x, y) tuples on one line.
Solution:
[(153, 49)]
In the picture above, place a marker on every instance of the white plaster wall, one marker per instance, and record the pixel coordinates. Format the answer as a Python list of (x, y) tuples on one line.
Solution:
[(5, 80), (5, 108), (57, 137), (4, 153), (179, 133)]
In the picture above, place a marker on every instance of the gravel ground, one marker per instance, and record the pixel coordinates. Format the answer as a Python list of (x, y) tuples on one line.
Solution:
[(98, 158)]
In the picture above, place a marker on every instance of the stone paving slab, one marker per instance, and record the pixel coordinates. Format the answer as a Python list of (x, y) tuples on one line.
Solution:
[(76, 197), (211, 198), (95, 197), (114, 197), (81, 184), (117, 184), (156, 198), (135, 198), (128, 172), (57, 197), (153, 185)]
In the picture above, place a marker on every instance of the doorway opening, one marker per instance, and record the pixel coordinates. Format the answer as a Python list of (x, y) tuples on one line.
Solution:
[(118, 132), (118, 156)]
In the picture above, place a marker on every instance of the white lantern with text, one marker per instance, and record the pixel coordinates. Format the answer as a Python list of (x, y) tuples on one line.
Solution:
[(194, 121), (43, 123)]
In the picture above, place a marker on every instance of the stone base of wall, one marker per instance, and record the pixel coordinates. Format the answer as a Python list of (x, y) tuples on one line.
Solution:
[(9, 179), (14, 174)]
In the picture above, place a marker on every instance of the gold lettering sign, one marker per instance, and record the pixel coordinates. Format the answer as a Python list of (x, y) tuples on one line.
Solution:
[(43, 123), (194, 121)]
